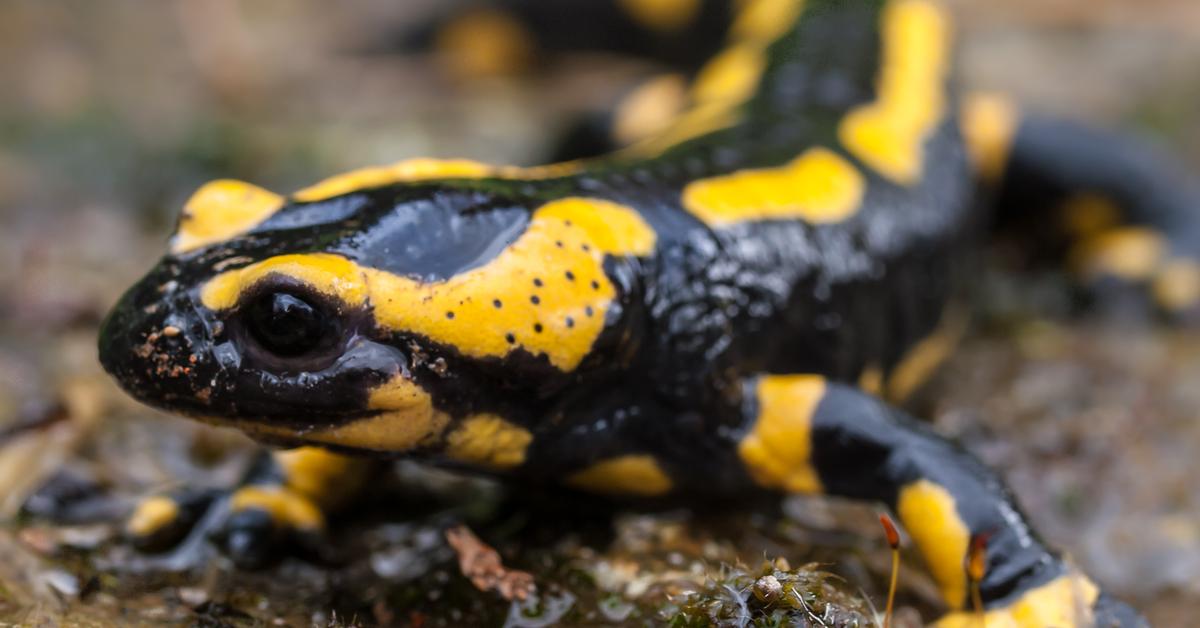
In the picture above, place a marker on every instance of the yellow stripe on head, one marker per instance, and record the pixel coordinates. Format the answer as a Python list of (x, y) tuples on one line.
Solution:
[(929, 513), (778, 450), (889, 134), (819, 187), (332, 275), (221, 210), (420, 169), (634, 474), (547, 293)]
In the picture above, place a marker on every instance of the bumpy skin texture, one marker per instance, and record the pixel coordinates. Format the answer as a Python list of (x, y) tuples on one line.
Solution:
[(709, 312)]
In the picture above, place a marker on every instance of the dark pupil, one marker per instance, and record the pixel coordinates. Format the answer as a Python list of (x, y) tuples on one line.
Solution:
[(285, 324)]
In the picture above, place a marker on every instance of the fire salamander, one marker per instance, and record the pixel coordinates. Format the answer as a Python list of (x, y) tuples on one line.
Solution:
[(728, 302)]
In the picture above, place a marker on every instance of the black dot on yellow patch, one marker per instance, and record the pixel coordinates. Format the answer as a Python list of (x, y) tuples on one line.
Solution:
[(497, 303), (537, 327), (450, 315), (534, 299)]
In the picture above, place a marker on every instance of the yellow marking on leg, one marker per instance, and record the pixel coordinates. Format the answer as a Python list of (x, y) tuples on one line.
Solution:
[(1177, 285), (221, 210), (151, 515), (1065, 602), (489, 441), (989, 126), (324, 477), (633, 474), (924, 358), (286, 508), (819, 187), (778, 450), (1129, 253), (650, 109), (1086, 215), (889, 134), (485, 42), (662, 15), (929, 514), (547, 293)]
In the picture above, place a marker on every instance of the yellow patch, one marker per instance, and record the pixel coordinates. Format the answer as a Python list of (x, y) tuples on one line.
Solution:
[(650, 109), (547, 292), (778, 451), (765, 20), (633, 474), (407, 420), (819, 187), (485, 42), (989, 125), (286, 507), (1177, 286), (924, 358), (418, 169), (221, 210), (870, 380), (929, 514), (731, 76), (151, 515), (1086, 215), (1065, 602), (332, 275), (889, 134), (425, 169), (322, 476), (1129, 253), (489, 441), (662, 15)]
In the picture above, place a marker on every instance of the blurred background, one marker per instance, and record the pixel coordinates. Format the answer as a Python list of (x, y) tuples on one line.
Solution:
[(112, 113)]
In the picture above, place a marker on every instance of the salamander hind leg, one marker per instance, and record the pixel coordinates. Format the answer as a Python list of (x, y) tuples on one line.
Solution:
[(1122, 215), (805, 434), (283, 502)]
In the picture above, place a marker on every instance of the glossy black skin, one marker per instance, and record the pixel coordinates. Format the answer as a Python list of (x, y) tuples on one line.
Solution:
[(695, 323)]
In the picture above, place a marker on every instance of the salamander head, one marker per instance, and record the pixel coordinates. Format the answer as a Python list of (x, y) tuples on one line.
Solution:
[(371, 319)]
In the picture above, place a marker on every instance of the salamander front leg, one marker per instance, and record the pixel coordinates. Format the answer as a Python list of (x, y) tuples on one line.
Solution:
[(285, 499), (809, 435)]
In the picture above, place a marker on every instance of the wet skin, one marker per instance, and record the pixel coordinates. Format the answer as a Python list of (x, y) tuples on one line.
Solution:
[(726, 306)]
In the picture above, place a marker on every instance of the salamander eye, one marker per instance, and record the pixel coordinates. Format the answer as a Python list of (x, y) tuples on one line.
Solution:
[(286, 324)]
